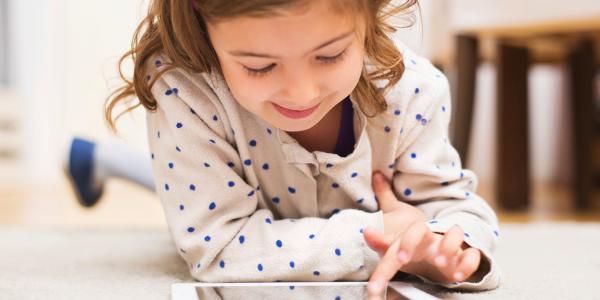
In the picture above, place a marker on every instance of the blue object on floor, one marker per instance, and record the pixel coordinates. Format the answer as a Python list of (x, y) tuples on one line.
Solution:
[(80, 171)]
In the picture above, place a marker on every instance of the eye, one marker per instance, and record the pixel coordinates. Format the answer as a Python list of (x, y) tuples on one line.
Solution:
[(332, 59), (260, 72)]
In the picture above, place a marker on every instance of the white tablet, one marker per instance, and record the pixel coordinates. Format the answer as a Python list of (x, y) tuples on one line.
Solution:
[(290, 291)]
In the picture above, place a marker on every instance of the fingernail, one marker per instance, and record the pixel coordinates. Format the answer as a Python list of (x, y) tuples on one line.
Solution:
[(458, 276), (402, 257), (375, 287), (440, 261)]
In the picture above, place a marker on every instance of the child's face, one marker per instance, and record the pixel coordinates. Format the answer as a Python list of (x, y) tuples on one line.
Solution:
[(289, 71)]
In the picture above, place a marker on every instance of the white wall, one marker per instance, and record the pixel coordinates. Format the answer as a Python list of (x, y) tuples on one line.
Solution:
[(64, 58)]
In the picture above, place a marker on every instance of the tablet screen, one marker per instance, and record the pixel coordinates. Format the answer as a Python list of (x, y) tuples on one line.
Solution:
[(291, 290)]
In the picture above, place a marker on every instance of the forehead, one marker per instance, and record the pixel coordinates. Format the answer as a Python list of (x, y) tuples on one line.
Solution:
[(291, 31)]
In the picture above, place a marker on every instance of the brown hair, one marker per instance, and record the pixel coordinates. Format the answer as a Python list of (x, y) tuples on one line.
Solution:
[(177, 29)]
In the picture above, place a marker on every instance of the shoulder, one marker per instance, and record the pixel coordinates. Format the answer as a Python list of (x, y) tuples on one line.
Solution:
[(182, 95), (421, 90)]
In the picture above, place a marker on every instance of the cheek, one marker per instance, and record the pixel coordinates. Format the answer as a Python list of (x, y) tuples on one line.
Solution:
[(245, 89)]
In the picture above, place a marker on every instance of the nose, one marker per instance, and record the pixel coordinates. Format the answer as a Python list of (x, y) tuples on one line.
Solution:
[(301, 89)]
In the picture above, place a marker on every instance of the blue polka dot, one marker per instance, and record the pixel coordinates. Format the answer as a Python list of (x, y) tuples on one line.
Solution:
[(158, 134), (467, 194), (335, 185), (231, 164), (413, 61), (215, 118), (413, 155), (338, 252), (407, 192), (268, 221), (291, 287), (242, 239), (445, 183), (269, 130), (191, 229), (207, 238), (417, 90), (338, 298), (260, 267), (354, 174), (443, 108), (222, 264), (312, 236), (157, 63), (419, 117), (361, 231), (166, 186), (169, 92), (397, 112), (265, 166), (279, 243), (316, 273), (253, 143), (182, 251), (496, 233), (231, 184), (328, 165), (207, 165), (462, 175), (198, 265), (192, 111), (423, 122), (433, 222), (335, 211), (212, 206), (181, 207), (390, 166), (292, 264), (467, 235), (175, 90), (179, 125), (361, 200), (248, 162), (152, 155), (291, 190), (212, 141), (192, 187), (171, 165), (276, 200), (177, 148), (387, 129)]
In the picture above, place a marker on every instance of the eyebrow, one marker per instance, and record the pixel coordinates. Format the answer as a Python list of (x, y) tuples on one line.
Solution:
[(263, 55)]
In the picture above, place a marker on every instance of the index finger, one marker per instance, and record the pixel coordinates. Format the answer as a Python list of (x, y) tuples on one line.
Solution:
[(386, 269)]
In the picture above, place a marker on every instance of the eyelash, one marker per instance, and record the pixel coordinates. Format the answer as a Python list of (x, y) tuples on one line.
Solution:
[(324, 59)]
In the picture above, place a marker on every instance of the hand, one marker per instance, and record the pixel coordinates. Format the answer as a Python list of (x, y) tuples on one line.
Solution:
[(408, 245)]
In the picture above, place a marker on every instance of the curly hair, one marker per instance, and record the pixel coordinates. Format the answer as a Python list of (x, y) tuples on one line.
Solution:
[(177, 29)]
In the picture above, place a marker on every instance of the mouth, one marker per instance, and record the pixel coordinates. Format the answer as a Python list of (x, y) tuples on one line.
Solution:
[(296, 114)]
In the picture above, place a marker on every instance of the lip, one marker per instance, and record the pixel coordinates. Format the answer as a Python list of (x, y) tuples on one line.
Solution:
[(295, 114)]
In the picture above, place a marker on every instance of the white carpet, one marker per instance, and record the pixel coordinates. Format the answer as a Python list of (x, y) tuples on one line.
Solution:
[(539, 261)]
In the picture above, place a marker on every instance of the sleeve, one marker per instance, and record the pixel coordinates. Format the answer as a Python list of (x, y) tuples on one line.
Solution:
[(214, 216), (428, 174)]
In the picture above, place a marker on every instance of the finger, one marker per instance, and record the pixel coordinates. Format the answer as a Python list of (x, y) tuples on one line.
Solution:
[(377, 241), (469, 263), (385, 269), (383, 192), (449, 246), (413, 239)]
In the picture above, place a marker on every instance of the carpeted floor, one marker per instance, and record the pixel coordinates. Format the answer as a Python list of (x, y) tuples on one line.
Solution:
[(539, 261)]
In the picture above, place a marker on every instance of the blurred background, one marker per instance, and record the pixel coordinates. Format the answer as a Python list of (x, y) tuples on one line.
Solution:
[(523, 73)]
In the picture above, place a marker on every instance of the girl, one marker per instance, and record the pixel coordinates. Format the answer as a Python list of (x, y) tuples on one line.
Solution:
[(266, 120)]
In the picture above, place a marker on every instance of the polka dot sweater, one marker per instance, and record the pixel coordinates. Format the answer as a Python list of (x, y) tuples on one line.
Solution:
[(245, 202)]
